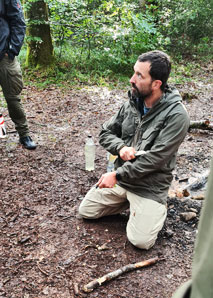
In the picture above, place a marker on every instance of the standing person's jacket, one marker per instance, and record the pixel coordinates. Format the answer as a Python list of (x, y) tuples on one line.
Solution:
[(159, 133), (12, 28)]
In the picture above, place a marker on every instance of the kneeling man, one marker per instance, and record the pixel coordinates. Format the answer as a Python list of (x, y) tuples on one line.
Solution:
[(153, 121)]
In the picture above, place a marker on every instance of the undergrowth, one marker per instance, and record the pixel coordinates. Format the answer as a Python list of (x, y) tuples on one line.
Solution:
[(72, 70)]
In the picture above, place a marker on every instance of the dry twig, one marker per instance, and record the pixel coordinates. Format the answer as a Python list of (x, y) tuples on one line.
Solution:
[(111, 275), (42, 271)]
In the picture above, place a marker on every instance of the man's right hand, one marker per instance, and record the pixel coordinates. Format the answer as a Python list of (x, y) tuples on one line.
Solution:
[(127, 153)]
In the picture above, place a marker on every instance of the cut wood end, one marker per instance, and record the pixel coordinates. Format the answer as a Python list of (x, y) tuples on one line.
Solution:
[(146, 263)]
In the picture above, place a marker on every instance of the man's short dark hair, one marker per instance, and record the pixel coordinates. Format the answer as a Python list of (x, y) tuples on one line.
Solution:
[(160, 65)]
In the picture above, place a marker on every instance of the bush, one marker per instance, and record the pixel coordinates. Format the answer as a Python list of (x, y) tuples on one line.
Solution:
[(188, 24)]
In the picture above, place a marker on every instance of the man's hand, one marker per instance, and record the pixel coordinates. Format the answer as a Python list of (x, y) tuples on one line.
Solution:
[(107, 180), (127, 153)]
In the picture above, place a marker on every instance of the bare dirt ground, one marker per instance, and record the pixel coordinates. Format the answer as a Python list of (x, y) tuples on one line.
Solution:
[(45, 249)]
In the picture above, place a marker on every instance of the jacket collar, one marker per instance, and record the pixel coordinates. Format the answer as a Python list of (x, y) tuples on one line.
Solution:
[(170, 96)]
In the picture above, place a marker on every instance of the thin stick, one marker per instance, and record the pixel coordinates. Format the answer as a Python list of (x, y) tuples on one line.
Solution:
[(42, 271), (111, 275)]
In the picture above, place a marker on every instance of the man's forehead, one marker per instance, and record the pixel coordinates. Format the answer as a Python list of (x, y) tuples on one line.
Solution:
[(142, 66)]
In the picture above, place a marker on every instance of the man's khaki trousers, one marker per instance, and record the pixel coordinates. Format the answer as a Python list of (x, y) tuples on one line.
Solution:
[(146, 216), (12, 85)]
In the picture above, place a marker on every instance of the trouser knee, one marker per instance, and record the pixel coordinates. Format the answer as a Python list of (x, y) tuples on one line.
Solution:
[(82, 211), (145, 242), (15, 107), (87, 212)]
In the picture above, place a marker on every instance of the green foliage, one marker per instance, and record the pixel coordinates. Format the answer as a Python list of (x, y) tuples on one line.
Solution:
[(96, 39), (116, 32), (188, 24), (111, 31)]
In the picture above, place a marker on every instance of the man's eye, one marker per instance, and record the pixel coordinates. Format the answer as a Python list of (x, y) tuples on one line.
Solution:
[(139, 76)]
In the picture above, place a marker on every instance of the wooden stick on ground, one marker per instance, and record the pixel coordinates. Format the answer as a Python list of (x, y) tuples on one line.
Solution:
[(111, 275), (201, 124)]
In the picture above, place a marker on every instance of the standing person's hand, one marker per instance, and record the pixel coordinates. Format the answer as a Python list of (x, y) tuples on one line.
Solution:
[(107, 180), (127, 153)]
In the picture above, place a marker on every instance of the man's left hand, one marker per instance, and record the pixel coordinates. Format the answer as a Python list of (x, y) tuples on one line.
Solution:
[(107, 180)]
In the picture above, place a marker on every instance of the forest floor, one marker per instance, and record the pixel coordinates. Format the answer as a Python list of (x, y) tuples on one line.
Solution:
[(45, 249)]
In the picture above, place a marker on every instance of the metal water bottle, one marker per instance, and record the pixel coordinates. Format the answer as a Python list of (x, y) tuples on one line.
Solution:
[(2, 127), (89, 154)]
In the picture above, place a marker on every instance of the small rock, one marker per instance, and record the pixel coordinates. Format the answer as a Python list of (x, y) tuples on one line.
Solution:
[(188, 215), (190, 138), (169, 276), (171, 211), (193, 210), (46, 291), (186, 193), (68, 261), (187, 235)]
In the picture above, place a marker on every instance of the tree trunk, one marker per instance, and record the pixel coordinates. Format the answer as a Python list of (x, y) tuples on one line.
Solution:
[(39, 44)]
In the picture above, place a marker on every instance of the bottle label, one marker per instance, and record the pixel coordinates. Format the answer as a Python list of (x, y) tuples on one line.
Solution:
[(2, 128), (1, 120)]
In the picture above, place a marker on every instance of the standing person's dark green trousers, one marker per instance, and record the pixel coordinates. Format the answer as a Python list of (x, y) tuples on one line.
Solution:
[(12, 85)]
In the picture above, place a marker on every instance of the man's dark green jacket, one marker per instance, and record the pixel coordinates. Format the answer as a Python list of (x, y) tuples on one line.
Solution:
[(159, 133)]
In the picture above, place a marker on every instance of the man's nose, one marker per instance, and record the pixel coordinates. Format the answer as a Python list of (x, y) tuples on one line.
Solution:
[(132, 80)]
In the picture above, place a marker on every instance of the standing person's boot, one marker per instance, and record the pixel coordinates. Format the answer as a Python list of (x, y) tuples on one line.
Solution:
[(28, 143)]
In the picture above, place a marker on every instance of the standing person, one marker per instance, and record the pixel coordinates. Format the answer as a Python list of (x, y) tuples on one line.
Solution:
[(153, 120), (12, 32), (200, 285)]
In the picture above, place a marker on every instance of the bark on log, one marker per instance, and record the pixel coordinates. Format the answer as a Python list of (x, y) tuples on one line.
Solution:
[(201, 124), (111, 275)]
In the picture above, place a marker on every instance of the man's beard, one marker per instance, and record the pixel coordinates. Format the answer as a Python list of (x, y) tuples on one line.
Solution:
[(140, 94)]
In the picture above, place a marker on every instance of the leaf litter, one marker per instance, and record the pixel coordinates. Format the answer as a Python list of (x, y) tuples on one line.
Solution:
[(46, 250)]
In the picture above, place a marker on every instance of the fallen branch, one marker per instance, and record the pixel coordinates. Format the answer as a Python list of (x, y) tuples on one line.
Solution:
[(201, 124), (111, 275)]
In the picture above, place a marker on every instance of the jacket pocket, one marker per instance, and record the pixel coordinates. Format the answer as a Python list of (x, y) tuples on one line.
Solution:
[(128, 132), (148, 137)]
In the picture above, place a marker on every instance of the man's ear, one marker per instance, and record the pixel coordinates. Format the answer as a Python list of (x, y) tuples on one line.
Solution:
[(156, 84)]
